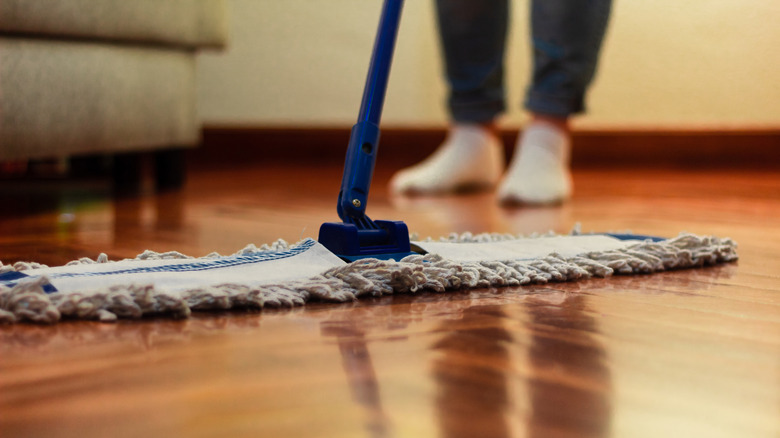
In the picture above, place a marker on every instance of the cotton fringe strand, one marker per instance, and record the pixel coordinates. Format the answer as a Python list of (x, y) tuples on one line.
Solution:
[(27, 301)]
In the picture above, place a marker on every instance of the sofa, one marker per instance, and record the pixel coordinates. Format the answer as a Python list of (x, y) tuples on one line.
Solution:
[(106, 77)]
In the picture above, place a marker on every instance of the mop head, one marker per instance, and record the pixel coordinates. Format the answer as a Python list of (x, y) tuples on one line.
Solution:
[(282, 275)]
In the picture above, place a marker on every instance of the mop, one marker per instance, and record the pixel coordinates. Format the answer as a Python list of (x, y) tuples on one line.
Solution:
[(355, 258)]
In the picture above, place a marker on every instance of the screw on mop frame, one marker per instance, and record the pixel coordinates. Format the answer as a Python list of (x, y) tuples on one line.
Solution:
[(358, 236)]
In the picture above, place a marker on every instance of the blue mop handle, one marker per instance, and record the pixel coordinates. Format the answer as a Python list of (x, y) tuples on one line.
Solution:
[(364, 139)]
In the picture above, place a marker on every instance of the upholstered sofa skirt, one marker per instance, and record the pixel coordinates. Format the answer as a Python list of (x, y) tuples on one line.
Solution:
[(61, 98)]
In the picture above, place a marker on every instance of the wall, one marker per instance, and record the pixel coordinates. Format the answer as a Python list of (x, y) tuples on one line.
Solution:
[(666, 63)]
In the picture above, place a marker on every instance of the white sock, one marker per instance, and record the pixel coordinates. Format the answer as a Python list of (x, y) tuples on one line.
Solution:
[(470, 157), (539, 172)]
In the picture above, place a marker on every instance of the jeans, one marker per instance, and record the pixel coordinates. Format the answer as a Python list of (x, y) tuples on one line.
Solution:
[(566, 36)]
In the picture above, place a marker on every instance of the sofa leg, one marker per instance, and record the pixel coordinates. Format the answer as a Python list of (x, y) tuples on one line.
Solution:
[(170, 168), (89, 166), (127, 173)]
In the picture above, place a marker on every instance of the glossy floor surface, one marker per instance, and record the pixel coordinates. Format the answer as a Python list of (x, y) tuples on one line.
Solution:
[(680, 354)]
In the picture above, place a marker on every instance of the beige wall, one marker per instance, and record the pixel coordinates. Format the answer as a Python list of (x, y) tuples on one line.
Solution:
[(666, 63)]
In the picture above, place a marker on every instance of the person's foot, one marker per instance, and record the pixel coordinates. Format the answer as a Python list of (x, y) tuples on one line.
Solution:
[(539, 172), (470, 158)]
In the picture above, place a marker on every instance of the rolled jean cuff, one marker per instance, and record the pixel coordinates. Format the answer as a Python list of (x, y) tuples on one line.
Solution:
[(483, 112), (556, 106)]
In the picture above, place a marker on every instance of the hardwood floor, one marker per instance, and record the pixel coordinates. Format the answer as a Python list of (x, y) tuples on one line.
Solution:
[(689, 353)]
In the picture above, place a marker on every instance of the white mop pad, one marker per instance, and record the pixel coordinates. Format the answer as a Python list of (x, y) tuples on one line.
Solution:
[(290, 275)]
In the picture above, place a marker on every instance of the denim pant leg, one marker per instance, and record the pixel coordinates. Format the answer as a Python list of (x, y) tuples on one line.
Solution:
[(473, 37), (566, 39)]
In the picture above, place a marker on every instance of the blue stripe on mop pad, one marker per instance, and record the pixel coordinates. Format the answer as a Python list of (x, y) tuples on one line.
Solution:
[(11, 279), (625, 236)]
